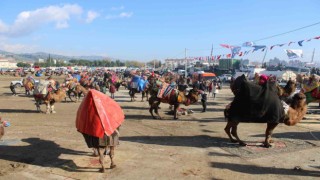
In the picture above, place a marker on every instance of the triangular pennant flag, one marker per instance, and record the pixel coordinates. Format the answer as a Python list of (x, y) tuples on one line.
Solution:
[(300, 42), (225, 45), (272, 47), (290, 43), (228, 55), (219, 57), (318, 37), (263, 49), (281, 45), (308, 40), (240, 54)]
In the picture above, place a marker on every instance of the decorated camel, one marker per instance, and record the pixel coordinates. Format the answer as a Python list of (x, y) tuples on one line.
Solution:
[(310, 86), (169, 95), (261, 104), (45, 94), (28, 84), (75, 90), (98, 119)]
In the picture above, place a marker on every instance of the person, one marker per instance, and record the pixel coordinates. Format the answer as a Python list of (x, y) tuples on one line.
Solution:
[(203, 101), (13, 90), (183, 86), (215, 89), (112, 90)]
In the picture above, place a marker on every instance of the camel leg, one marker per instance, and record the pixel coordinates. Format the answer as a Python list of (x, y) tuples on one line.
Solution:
[(151, 111), (234, 133), (38, 106), (227, 129), (52, 108), (48, 108), (156, 110), (111, 155), (101, 159), (269, 130), (175, 108)]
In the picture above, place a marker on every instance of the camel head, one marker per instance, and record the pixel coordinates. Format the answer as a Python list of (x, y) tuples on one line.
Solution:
[(298, 101), (192, 97), (235, 86)]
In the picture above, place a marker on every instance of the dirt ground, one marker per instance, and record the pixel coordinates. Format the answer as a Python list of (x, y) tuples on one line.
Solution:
[(41, 146)]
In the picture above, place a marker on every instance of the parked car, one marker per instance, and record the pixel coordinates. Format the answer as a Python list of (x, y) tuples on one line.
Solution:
[(19, 84), (225, 77)]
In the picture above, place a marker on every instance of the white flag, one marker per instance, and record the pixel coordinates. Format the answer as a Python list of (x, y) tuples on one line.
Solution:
[(294, 53)]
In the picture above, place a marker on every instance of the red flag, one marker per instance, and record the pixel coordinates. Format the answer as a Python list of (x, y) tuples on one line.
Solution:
[(225, 46), (219, 57), (228, 55), (240, 54), (318, 37)]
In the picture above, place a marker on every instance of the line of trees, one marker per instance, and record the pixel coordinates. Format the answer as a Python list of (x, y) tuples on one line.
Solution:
[(96, 63)]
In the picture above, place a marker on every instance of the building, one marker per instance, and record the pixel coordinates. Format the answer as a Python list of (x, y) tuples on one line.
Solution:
[(228, 64), (6, 62), (40, 60), (174, 63)]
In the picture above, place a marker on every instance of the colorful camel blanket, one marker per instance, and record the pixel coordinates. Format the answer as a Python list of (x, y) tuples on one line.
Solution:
[(42, 87)]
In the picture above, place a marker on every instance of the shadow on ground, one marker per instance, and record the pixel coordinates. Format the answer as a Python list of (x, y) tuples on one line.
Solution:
[(252, 169), (202, 141), (42, 153), (18, 111)]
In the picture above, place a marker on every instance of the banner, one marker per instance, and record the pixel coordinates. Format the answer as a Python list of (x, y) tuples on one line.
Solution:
[(256, 47), (248, 44), (225, 46), (294, 53), (235, 50)]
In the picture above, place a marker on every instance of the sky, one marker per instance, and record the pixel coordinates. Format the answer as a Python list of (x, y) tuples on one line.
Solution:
[(157, 29)]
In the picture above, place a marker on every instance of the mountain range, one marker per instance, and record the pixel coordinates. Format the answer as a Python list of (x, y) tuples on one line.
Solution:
[(31, 57)]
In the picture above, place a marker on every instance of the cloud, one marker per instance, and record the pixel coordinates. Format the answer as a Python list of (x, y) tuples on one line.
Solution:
[(121, 15), (117, 8), (17, 48), (91, 15), (29, 21)]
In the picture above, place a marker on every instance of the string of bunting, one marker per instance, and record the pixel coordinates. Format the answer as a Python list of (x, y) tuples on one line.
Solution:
[(236, 50)]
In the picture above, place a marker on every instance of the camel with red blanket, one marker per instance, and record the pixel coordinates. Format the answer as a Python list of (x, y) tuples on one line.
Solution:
[(173, 97), (261, 104)]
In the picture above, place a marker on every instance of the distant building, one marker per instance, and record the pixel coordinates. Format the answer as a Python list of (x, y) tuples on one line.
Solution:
[(228, 64), (174, 63), (40, 60), (7, 63)]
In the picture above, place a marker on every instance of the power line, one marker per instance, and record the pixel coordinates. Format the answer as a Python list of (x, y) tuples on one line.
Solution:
[(269, 37)]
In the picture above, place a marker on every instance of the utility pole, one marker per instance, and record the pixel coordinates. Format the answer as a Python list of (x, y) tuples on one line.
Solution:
[(154, 64), (264, 57), (313, 55), (185, 61), (211, 54)]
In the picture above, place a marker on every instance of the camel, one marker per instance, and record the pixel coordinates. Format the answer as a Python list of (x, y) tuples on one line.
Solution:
[(28, 85), (175, 98), (75, 90), (263, 108), (310, 87), (49, 99)]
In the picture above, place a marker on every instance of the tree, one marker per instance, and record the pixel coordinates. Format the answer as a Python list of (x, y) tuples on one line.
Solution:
[(22, 64)]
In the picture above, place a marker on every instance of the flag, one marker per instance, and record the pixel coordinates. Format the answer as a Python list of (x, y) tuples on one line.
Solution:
[(225, 46), (240, 54), (308, 40), (219, 57), (281, 45), (228, 55), (247, 44), (290, 43), (263, 49), (294, 53), (318, 37), (272, 47), (300, 42), (257, 47), (235, 50)]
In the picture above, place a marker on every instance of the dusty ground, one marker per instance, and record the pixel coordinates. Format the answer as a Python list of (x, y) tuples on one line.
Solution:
[(38, 146)]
